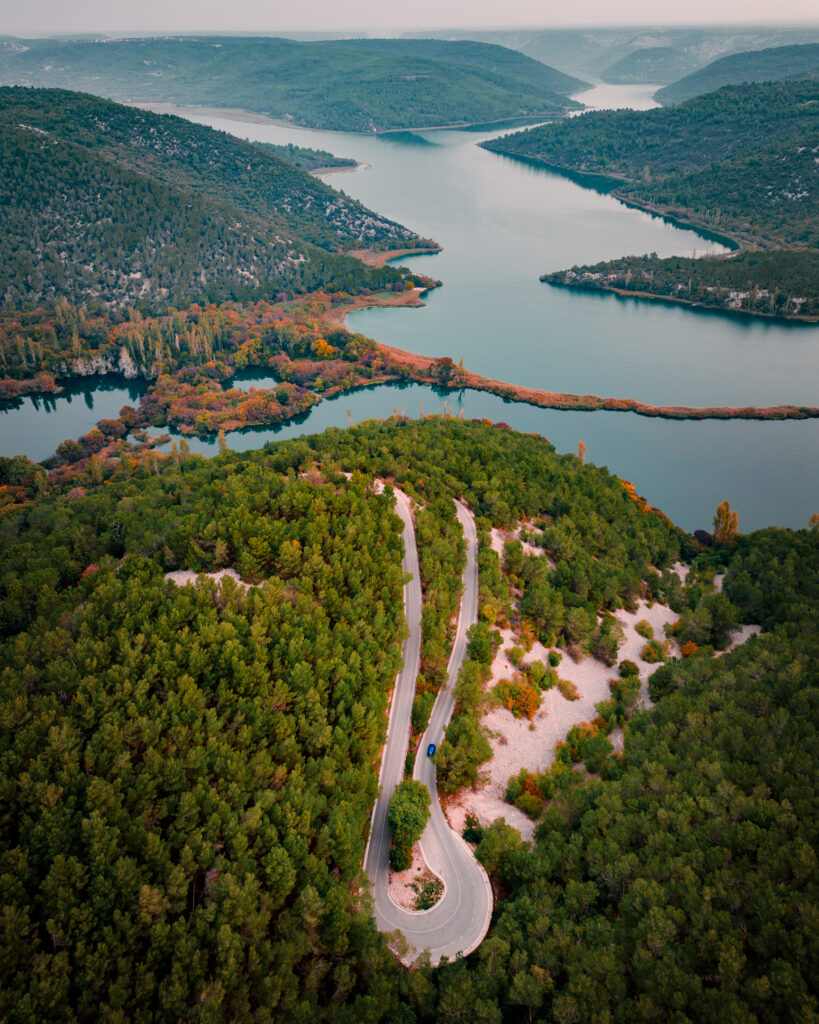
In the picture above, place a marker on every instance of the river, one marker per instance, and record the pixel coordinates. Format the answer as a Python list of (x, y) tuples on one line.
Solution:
[(502, 223)]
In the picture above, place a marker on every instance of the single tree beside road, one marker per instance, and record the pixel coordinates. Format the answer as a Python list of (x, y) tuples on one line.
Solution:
[(407, 818)]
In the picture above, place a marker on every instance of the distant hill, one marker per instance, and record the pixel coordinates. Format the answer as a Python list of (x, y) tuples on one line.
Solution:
[(350, 85), (652, 64), (590, 52), (769, 65), (102, 201)]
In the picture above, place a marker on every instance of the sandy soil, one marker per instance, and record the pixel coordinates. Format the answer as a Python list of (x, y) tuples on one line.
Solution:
[(517, 743), (658, 615), (739, 636), (401, 882), (187, 577), (681, 570), (500, 537)]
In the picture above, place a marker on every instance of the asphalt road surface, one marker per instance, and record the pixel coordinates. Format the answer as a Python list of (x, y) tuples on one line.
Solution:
[(460, 919)]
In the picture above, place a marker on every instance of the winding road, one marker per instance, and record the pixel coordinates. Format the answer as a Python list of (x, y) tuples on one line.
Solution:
[(459, 921)]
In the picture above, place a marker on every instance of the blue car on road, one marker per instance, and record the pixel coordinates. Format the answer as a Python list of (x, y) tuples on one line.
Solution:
[(430, 750)]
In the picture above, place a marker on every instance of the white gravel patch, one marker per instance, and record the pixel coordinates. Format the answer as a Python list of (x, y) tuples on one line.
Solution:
[(518, 743), (188, 578), (739, 636)]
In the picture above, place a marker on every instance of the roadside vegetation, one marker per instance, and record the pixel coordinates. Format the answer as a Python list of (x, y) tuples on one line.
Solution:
[(407, 817)]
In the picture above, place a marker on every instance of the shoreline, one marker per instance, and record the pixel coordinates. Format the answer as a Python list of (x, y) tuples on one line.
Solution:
[(423, 370), (379, 257), (326, 172), (701, 307), (736, 242), (427, 370)]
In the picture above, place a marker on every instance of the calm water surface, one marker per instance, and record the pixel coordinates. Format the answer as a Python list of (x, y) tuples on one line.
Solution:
[(502, 223), (34, 426), (686, 468)]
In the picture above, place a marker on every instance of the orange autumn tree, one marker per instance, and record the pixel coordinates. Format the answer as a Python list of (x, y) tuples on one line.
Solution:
[(725, 524)]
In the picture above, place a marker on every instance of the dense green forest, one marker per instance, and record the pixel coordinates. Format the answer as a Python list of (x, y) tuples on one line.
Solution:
[(157, 211), (739, 162), (790, 277), (348, 85), (767, 65), (187, 773)]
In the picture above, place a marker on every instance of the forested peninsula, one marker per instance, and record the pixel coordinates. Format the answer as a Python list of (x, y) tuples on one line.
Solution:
[(187, 772), (355, 85), (739, 163)]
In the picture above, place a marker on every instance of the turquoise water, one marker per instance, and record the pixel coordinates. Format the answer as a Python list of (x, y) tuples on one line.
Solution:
[(502, 223), (685, 467), (35, 425)]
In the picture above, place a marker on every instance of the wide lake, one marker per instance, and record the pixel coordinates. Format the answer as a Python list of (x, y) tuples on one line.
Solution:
[(502, 223)]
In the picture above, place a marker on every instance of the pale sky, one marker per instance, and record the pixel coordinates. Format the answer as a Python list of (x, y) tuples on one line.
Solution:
[(21, 17)]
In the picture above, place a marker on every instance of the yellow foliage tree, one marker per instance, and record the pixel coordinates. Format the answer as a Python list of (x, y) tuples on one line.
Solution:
[(725, 524)]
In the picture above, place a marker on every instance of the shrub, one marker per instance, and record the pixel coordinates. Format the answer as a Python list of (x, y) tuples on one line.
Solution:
[(483, 642), (645, 629), (628, 669), (607, 639), (537, 673), (625, 692), (459, 756), (529, 804), (518, 697), (499, 842), (422, 709), (568, 689), (555, 658), (427, 893), (654, 651), (473, 832)]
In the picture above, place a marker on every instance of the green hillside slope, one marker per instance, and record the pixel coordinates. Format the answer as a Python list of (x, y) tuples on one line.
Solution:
[(769, 65), (349, 85), (158, 210)]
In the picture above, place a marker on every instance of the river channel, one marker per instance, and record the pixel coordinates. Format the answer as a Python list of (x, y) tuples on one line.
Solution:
[(502, 223)]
